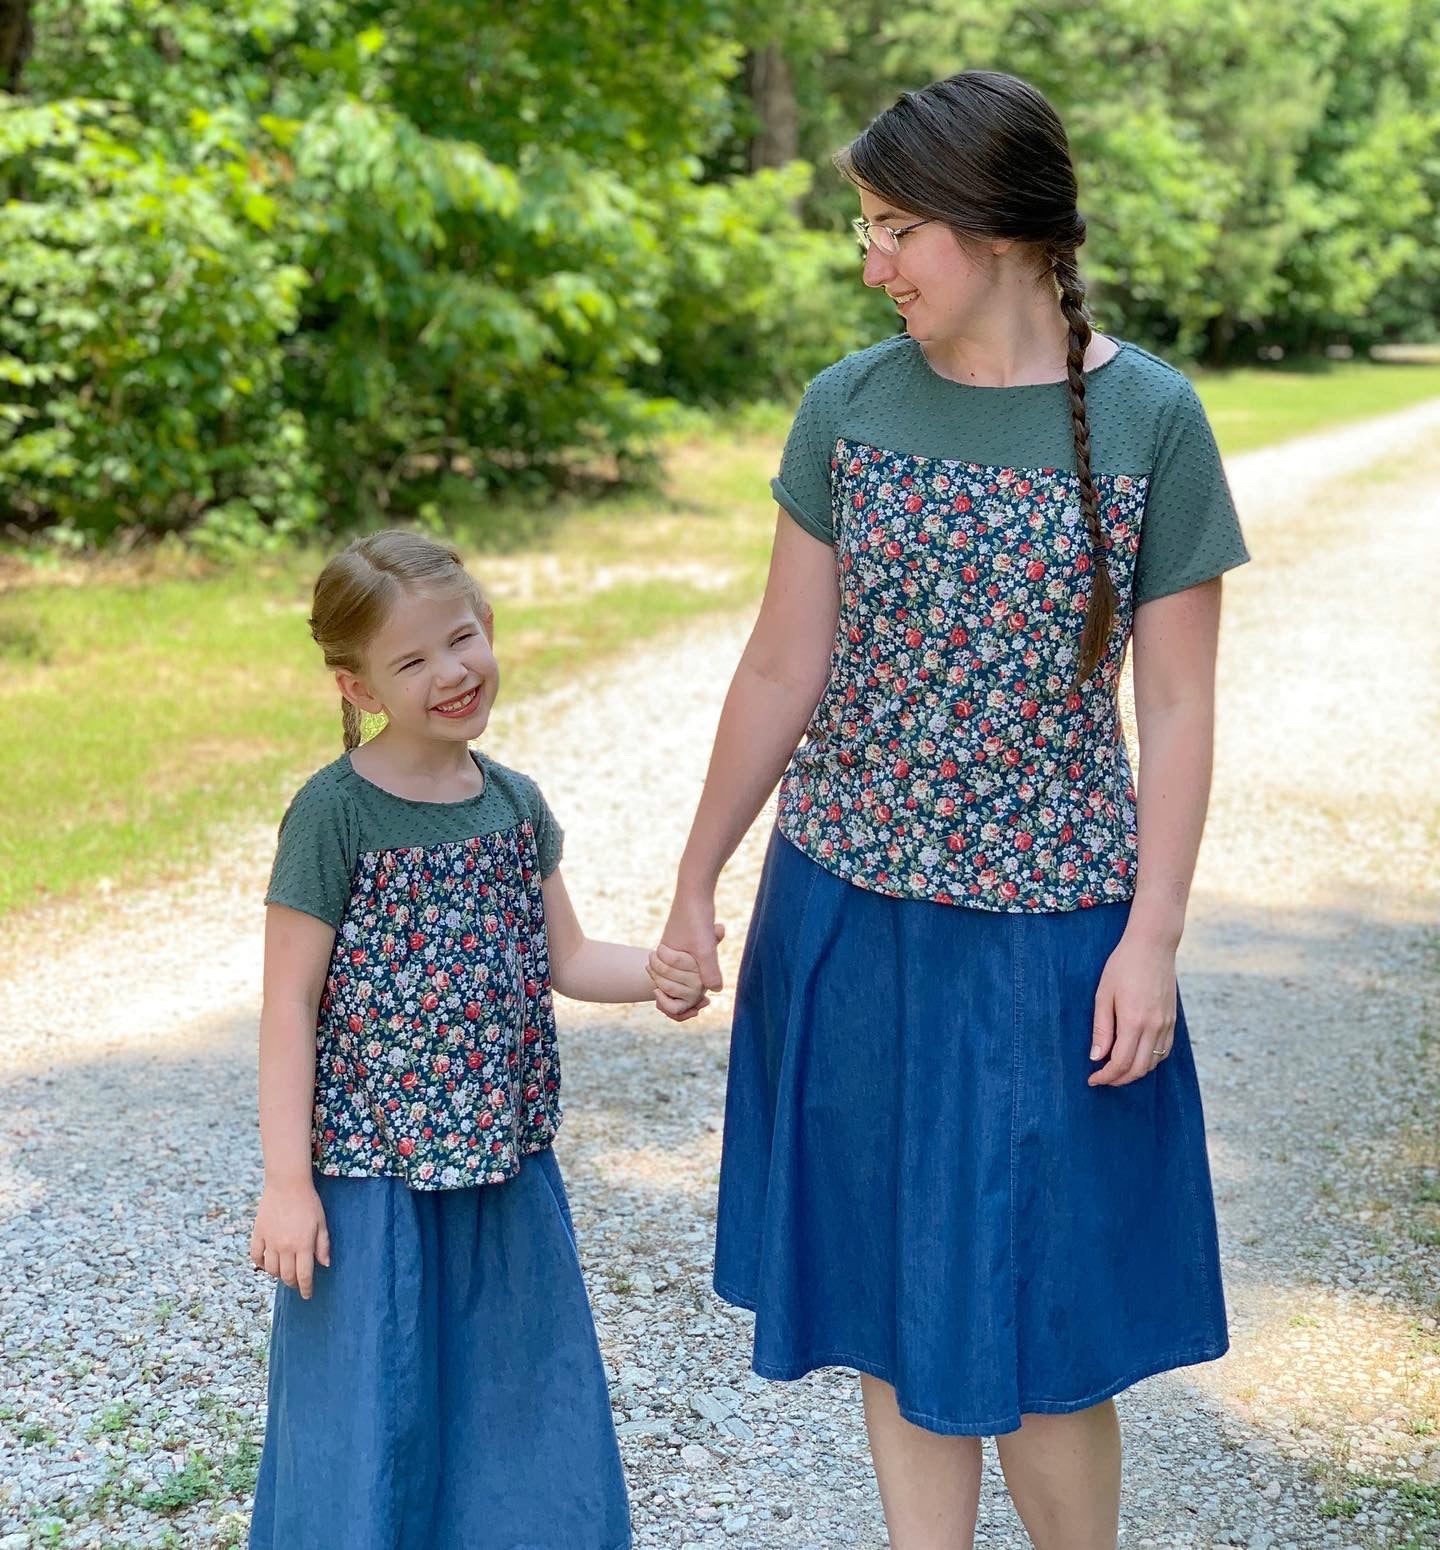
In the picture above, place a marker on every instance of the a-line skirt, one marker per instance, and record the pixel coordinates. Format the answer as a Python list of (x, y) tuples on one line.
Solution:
[(916, 1181), (443, 1388)]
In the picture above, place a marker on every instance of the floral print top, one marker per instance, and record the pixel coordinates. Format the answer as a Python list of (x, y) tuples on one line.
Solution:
[(951, 758), (436, 1057)]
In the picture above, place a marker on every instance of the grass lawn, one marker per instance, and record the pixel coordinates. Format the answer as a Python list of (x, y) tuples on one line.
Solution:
[(1259, 406), (145, 705)]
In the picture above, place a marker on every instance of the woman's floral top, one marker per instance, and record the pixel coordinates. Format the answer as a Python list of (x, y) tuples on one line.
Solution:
[(436, 1058), (951, 757)]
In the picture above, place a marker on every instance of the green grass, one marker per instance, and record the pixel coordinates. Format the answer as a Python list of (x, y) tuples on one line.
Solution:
[(1259, 406), (146, 704)]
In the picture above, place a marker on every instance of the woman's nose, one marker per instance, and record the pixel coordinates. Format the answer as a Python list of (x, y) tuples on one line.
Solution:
[(879, 267)]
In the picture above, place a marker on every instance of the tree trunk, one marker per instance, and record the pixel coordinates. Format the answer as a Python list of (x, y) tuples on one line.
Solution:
[(772, 94), (17, 38)]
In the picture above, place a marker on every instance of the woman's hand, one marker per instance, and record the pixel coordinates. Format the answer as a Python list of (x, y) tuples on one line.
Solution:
[(1134, 1025), (692, 928), (290, 1237)]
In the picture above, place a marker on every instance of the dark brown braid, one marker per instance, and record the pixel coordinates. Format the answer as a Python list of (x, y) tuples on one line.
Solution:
[(1100, 609)]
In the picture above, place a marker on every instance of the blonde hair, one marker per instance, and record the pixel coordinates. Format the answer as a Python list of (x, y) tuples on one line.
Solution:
[(358, 587)]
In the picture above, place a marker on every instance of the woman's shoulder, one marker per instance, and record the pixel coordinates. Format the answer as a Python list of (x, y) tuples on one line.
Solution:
[(884, 365), (1131, 366)]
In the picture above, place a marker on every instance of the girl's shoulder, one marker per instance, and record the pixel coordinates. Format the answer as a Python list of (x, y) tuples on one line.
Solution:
[(520, 790), (330, 787)]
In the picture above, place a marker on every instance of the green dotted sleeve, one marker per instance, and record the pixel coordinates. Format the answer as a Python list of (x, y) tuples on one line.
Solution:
[(316, 854), (1190, 532), (549, 836), (803, 486)]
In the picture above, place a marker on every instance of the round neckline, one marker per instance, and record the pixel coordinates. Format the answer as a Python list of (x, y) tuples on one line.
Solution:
[(395, 796), (1121, 346)]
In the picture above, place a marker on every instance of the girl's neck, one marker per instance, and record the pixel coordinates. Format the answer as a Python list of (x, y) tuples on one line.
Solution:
[(422, 770)]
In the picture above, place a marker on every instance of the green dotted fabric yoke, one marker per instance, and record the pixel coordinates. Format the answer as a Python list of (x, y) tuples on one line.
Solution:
[(1145, 421)]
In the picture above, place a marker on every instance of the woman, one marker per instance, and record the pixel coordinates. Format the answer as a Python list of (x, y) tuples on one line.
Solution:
[(964, 1149)]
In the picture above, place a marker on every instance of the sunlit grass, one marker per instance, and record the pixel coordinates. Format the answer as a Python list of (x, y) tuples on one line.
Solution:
[(141, 710), (1258, 406)]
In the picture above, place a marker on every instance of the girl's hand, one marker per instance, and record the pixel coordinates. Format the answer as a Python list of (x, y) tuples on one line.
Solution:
[(692, 929), (290, 1237), (676, 978), (1134, 1025)]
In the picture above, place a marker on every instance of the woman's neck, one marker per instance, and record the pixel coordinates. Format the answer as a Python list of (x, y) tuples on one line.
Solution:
[(1015, 341)]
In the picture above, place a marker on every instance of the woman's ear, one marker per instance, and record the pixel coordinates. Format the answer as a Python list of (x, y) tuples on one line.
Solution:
[(487, 623), (357, 693)]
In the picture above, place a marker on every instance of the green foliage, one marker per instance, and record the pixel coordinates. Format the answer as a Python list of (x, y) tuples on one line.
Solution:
[(1251, 174), (145, 302), (268, 265)]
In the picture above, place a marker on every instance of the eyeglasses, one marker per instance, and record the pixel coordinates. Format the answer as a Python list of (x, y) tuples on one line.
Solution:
[(886, 238)]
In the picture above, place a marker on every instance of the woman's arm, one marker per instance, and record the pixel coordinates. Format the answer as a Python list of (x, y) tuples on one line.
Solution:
[(290, 1235), (1174, 646), (782, 674)]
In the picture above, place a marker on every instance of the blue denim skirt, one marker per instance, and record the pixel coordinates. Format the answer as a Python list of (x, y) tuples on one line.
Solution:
[(916, 1181), (442, 1389)]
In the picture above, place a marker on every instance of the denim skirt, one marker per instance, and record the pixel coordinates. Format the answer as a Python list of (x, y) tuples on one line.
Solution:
[(443, 1388), (916, 1181)]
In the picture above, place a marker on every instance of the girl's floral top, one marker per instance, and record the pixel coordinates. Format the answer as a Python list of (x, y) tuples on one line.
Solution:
[(951, 758), (436, 1058)]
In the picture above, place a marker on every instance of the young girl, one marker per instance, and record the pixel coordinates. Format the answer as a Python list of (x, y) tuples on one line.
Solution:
[(435, 1384), (964, 1151)]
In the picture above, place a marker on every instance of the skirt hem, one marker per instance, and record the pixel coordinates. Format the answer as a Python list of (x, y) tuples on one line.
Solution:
[(1210, 1351)]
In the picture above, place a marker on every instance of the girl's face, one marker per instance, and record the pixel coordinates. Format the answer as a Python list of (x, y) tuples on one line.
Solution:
[(429, 669), (939, 286)]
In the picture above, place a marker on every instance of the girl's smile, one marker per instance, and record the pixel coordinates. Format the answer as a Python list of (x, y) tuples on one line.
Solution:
[(460, 707)]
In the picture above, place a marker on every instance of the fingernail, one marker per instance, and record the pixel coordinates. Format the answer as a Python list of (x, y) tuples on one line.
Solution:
[(1094, 1052)]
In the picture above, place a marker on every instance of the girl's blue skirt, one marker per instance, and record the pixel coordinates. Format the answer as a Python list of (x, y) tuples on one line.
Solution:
[(916, 1181), (442, 1389)]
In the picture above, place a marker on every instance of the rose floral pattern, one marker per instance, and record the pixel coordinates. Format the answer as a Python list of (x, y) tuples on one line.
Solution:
[(949, 757), (436, 1059)]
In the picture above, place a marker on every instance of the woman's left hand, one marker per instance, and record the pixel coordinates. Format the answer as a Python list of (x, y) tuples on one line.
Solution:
[(1134, 1025)]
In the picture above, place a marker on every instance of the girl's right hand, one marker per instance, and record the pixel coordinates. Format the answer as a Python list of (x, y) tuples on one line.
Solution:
[(290, 1237), (692, 929)]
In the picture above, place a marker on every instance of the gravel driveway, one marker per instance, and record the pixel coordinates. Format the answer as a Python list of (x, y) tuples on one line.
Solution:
[(133, 1330)]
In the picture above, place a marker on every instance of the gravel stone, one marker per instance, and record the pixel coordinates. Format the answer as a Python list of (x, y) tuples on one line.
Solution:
[(134, 1332)]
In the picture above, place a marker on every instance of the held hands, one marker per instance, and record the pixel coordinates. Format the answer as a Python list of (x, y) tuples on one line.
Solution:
[(290, 1237), (680, 980), (1134, 1026)]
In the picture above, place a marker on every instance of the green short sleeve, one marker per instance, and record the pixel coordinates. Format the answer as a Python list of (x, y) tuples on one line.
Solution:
[(549, 836), (1190, 532), (317, 852), (803, 485)]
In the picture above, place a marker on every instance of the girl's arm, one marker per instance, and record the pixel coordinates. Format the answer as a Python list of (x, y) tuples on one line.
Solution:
[(1174, 646), (781, 676), (608, 971), (290, 1235)]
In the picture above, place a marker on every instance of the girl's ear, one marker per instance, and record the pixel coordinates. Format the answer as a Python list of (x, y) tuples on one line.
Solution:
[(357, 693), (487, 623)]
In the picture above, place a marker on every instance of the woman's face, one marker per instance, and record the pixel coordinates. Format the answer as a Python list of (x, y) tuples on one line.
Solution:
[(937, 285)]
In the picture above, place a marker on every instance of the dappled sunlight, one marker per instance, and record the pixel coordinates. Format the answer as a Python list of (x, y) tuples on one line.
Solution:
[(691, 1171), (1333, 1374)]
